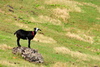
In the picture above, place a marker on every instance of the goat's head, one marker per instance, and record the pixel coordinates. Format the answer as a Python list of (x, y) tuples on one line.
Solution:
[(37, 29)]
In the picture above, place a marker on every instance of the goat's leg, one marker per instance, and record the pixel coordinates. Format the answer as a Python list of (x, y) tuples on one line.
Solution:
[(29, 41), (18, 39)]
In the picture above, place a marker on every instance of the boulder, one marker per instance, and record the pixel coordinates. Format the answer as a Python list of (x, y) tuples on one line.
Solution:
[(28, 54)]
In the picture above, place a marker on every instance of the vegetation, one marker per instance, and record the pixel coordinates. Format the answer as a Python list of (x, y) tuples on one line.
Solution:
[(70, 34)]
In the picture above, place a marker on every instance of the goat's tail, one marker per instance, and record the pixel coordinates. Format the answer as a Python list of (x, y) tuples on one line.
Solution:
[(14, 33)]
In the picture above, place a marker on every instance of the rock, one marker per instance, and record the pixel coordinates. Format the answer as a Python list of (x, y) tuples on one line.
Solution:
[(28, 54)]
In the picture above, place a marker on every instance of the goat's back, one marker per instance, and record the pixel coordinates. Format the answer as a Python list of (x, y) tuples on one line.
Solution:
[(21, 33)]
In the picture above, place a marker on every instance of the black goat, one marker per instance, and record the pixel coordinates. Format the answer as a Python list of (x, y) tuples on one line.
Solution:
[(22, 34)]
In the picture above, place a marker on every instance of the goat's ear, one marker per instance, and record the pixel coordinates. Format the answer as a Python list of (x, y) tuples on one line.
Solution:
[(34, 28)]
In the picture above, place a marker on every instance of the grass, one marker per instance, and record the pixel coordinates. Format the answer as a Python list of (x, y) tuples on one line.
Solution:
[(58, 47), (90, 1)]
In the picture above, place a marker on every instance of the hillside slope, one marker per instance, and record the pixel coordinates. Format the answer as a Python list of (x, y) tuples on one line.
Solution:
[(70, 34)]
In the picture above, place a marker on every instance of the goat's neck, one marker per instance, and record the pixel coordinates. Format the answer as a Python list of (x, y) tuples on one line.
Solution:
[(34, 32)]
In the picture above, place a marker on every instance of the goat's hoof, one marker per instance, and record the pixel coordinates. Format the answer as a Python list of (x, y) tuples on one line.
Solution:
[(19, 46), (29, 47)]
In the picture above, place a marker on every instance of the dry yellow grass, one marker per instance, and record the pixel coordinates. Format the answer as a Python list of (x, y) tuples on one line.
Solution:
[(61, 64), (61, 13), (98, 18), (41, 7), (81, 56), (21, 25), (45, 19), (73, 5), (92, 5), (32, 19), (1, 11), (44, 39), (81, 37), (5, 62), (8, 63), (5, 47), (96, 27)]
